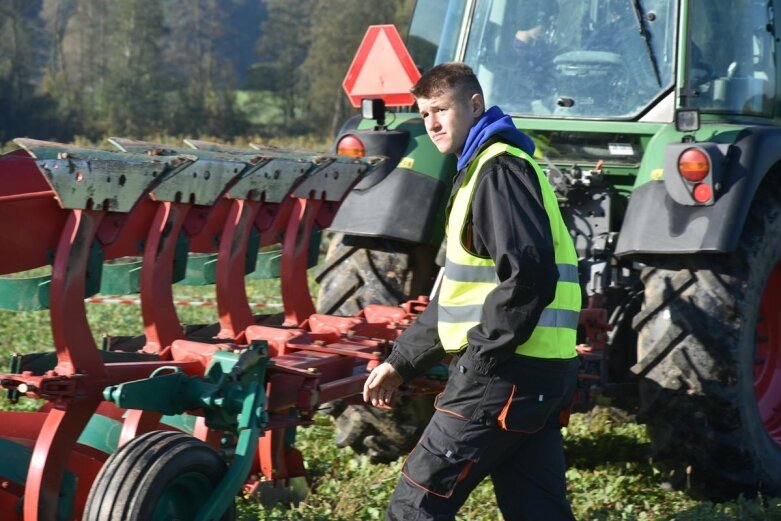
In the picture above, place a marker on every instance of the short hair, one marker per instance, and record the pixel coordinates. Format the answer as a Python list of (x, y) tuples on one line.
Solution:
[(450, 76)]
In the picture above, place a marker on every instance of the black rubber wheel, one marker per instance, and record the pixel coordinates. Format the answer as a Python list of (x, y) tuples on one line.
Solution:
[(365, 270), (709, 351), (384, 435), (159, 476)]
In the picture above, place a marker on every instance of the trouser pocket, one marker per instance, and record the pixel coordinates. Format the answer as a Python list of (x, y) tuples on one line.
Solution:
[(528, 394), (464, 393), (528, 413), (436, 466)]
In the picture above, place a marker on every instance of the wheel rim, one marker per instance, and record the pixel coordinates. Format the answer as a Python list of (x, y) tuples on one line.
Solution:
[(767, 361), (184, 497)]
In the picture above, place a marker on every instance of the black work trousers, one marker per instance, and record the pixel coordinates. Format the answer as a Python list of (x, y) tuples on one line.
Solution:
[(505, 426)]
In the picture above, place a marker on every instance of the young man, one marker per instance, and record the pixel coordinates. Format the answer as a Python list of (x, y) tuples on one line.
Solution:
[(507, 312)]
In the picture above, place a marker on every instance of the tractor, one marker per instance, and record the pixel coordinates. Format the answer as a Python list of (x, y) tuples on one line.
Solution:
[(658, 124)]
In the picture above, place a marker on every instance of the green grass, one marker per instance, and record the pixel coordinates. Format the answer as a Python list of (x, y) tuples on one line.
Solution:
[(610, 476)]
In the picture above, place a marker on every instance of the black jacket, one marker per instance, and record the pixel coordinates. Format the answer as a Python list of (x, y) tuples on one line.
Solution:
[(508, 223)]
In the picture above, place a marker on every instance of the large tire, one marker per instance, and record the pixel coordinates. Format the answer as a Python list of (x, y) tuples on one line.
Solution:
[(360, 271), (709, 351), (384, 435), (159, 476), (365, 270)]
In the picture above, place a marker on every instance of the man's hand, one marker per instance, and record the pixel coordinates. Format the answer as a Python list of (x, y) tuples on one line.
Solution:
[(528, 35), (381, 384)]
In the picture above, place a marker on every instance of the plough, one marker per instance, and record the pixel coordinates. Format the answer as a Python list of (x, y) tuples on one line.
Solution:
[(174, 423)]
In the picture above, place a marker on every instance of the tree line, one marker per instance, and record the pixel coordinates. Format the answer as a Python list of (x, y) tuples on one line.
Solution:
[(141, 68)]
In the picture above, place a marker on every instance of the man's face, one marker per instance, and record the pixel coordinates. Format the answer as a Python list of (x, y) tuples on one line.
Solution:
[(448, 119)]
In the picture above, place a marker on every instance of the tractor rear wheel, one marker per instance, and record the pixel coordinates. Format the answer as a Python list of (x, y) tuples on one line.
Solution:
[(360, 271), (161, 475), (384, 435), (709, 351), (365, 270)]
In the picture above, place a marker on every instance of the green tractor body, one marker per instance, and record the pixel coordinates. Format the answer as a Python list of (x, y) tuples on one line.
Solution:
[(657, 123)]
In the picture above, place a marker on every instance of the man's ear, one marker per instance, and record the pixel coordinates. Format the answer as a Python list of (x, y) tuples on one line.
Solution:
[(478, 105)]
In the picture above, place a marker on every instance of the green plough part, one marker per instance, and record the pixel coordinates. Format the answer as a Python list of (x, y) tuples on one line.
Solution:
[(32, 293), (14, 464), (232, 397)]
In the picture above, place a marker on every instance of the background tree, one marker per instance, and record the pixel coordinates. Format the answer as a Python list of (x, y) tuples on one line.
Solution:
[(132, 93), (75, 70), (201, 98), (55, 16), (243, 20), (21, 108), (282, 48)]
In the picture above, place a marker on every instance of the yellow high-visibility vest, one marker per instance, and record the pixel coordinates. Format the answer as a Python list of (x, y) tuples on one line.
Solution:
[(469, 279)]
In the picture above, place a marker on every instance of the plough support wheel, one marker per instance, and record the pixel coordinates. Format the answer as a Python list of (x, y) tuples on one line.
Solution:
[(159, 476)]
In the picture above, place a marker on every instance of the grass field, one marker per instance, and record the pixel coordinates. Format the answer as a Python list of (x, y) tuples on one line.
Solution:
[(610, 475)]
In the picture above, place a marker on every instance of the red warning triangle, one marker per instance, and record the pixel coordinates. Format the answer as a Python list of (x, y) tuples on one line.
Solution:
[(382, 68)]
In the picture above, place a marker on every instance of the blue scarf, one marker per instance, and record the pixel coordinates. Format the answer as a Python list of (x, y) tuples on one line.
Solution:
[(492, 123)]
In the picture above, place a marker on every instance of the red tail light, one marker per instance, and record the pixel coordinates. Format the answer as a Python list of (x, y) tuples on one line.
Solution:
[(693, 165), (351, 146), (702, 193)]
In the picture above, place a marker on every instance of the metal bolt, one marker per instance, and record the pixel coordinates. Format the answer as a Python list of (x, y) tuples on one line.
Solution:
[(311, 369), (22, 388), (63, 155)]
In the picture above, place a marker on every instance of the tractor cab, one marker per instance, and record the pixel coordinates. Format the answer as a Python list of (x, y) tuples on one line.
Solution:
[(606, 59)]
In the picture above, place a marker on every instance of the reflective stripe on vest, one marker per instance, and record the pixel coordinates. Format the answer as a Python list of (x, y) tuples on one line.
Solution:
[(469, 279)]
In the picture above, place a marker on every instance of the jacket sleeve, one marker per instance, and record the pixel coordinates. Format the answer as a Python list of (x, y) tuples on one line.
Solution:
[(510, 224), (418, 348)]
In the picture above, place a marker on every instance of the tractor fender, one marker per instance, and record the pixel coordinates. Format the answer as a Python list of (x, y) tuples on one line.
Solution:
[(656, 224), (404, 205), (404, 199)]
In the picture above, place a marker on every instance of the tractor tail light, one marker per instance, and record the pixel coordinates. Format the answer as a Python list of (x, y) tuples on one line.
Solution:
[(695, 172), (351, 146), (702, 193), (693, 165)]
